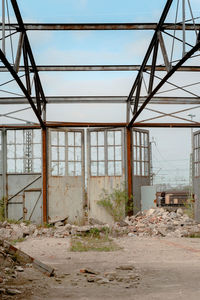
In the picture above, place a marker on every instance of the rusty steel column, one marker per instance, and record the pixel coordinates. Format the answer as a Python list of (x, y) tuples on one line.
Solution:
[(129, 170), (44, 173)]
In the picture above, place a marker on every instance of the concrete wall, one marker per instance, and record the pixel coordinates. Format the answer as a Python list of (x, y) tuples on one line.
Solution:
[(96, 185), (196, 184), (66, 198)]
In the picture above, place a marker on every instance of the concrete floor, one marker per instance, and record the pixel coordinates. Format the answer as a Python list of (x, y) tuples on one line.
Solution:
[(168, 269)]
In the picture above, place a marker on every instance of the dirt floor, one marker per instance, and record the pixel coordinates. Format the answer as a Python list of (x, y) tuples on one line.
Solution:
[(161, 269)]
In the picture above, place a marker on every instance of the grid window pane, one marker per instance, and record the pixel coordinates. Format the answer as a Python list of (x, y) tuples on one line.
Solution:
[(70, 138)]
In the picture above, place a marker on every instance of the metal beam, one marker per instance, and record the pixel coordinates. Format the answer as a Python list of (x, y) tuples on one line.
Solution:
[(100, 26), (62, 68), (111, 125), (163, 81), (100, 100), (21, 85)]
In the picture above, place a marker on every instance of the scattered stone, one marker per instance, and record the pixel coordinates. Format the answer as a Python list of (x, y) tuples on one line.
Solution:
[(19, 269), (89, 271), (125, 267), (13, 292)]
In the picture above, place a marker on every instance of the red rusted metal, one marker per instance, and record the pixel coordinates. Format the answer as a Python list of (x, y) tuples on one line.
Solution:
[(44, 173), (129, 169)]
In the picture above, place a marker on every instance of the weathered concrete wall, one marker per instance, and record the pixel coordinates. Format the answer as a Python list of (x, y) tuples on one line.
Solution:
[(66, 198), (96, 185)]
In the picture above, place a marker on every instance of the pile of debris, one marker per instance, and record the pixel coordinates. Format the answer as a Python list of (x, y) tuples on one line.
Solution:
[(160, 222), (9, 273), (154, 222)]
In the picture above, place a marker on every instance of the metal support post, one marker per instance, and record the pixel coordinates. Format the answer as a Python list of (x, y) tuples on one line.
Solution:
[(4, 169), (3, 28), (129, 170), (183, 15), (44, 173)]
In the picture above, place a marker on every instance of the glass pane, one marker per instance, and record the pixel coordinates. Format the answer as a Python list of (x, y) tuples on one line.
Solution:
[(10, 151), (138, 153), (78, 169), (110, 138), (54, 169), (118, 168), (111, 153), (93, 153), (138, 169), (54, 138), (19, 151), (142, 139), (78, 139), (134, 153), (78, 153), (10, 137), (36, 136), (146, 154), (11, 165), (71, 169), (54, 153), (61, 166), (19, 166), (93, 138), (101, 166), (61, 138), (118, 153), (118, 138), (61, 151), (93, 169), (146, 140), (100, 153), (19, 136), (146, 170), (142, 168), (70, 138), (36, 165), (134, 168), (37, 150), (101, 138), (111, 168), (142, 154), (71, 153)]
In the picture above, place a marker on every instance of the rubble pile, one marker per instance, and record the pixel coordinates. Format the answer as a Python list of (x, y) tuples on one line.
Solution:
[(9, 273), (161, 222), (154, 222)]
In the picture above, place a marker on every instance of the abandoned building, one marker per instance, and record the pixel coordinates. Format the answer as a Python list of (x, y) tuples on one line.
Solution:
[(53, 168)]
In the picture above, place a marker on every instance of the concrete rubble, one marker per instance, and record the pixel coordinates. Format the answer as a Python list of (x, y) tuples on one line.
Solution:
[(154, 222)]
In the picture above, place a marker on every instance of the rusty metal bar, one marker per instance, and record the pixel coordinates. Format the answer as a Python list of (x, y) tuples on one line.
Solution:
[(83, 68), (100, 26), (129, 169), (109, 125), (21, 85), (161, 83), (44, 173), (164, 51), (153, 67), (101, 100), (150, 48)]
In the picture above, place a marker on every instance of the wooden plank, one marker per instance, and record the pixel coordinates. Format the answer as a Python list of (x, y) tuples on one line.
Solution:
[(23, 257)]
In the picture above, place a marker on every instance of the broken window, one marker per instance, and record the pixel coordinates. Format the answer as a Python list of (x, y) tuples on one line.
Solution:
[(196, 155), (106, 153), (140, 153), (66, 153), (24, 151)]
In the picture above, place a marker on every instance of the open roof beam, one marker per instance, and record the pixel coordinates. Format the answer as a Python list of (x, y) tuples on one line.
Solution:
[(100, 26)]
